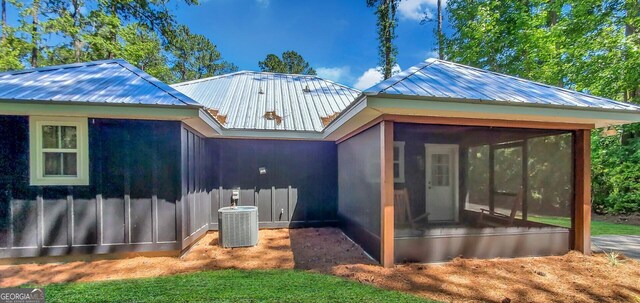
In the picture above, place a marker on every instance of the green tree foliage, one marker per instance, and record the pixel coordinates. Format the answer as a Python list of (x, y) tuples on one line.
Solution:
[(587, 45), (194, 56), (143, 32), (142, 47), (68, 23), (616, 170), (387, 22), (290, 63), (12, 47)]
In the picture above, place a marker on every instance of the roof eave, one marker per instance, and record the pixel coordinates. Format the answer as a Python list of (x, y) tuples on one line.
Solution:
[(495, 102)]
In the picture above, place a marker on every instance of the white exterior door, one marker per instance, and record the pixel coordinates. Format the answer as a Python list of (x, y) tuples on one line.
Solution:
[(441, 161)]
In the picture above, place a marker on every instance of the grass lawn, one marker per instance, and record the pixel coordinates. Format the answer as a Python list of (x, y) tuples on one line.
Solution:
[(597, 227), (227, 286)]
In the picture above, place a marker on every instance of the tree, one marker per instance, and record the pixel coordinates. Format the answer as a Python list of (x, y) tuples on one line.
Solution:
[(586, 45), (35, 32), (69, 23), (194, 56), (438, 30), (102, 35), (84, 30), (439, 33), (12, 48), (3, 20), (290, 63), (387, 22), (142, 47)]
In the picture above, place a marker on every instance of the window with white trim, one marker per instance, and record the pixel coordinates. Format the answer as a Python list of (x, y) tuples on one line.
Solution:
[(398, 161), (59, 151)]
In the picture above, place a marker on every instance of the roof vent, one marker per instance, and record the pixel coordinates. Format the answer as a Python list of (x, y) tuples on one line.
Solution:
[(306, 89), (272, 116), (260, 91), (326, 120), (220, 117)]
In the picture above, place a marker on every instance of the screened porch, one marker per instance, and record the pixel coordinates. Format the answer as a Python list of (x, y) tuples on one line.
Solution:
[(480, 191)]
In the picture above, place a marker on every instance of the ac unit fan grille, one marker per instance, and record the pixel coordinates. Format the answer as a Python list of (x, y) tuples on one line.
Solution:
[(238, 228)]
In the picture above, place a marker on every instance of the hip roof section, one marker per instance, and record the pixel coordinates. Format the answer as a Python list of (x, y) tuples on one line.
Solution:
[(249, 100), (446, 80), (107, 82)]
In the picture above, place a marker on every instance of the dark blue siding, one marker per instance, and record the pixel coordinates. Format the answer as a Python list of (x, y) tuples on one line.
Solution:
[(298, 189), (134, 179)]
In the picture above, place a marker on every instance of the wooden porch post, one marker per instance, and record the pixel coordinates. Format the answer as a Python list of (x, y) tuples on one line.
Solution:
[(386, 194), (582, 188)]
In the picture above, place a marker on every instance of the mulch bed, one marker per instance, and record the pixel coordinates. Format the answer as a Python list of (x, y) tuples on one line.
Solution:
[(569, 278), (631, 219)]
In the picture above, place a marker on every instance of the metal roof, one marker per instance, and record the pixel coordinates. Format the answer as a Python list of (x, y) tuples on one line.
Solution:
[(243, 99), (447, 80), (109, 81)]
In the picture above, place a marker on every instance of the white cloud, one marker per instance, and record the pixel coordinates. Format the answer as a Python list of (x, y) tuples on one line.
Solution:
[(431, 54), (416, 9), (263, 3), (336, 74), (372, 77)]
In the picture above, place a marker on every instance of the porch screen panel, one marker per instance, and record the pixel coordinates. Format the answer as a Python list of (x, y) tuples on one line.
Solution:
[(359, 180), (477, 177), (507, 179), (550, 182)]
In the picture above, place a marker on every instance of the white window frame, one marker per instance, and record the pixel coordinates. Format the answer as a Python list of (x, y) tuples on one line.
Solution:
[(36, 153), (400, 146)]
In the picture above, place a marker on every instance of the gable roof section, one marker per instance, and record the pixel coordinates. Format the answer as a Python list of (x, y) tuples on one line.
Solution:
[(442, 80), (106, 82), (302, 102)]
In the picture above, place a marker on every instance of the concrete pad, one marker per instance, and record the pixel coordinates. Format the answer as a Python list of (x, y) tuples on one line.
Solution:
[(627, 245)]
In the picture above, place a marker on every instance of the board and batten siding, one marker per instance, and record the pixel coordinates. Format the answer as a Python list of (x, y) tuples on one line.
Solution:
[(298, 188), (157, 186), (130, 204), (196, 199)]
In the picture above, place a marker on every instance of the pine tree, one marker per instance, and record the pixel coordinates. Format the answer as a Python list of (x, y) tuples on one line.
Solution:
[(387, 22)]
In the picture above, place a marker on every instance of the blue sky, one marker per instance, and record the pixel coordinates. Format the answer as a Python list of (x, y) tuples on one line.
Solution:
[(337, 37)]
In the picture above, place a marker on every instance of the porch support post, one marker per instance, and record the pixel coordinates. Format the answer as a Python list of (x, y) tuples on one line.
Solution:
[(582, 189), (525, 179), (386, 194), (492, 172)]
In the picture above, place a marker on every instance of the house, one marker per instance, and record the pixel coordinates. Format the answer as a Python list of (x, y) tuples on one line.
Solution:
[(441, 160)]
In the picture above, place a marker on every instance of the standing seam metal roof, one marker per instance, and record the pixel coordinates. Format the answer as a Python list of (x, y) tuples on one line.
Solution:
[(108, 81), (244, 97), (443, 79)]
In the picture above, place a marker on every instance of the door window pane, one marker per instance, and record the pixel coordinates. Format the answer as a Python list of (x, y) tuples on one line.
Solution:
[(440, 169)]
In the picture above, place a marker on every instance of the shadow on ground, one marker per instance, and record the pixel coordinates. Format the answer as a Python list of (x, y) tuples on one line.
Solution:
[(569, 278)]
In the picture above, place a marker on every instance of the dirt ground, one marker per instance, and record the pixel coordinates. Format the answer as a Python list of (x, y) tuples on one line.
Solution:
[(568, 278)]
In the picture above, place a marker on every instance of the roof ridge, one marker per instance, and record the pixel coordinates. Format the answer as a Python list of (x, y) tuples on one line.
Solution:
[(260, 72), (157, 83), (210, 78), (526, 80), (425, 64)]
